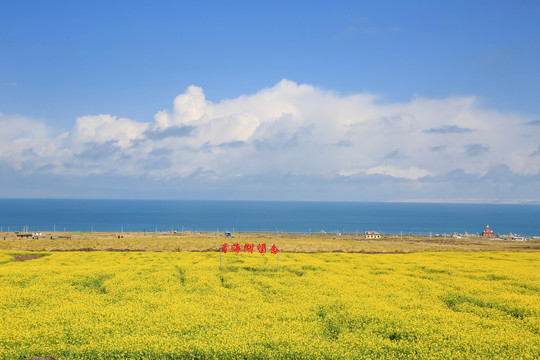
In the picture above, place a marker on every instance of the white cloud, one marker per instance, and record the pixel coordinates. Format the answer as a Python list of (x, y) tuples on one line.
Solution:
[(20, 139), (104, 128), (289, 128), (14, 128)]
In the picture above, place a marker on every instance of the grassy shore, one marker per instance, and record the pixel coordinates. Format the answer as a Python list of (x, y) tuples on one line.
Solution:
[(295, 243)]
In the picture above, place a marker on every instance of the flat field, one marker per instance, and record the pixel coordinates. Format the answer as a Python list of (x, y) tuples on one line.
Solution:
[(176, 305), (137, 241)]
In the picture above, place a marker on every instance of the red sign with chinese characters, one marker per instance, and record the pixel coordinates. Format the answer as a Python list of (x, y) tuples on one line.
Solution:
[(249, 248)]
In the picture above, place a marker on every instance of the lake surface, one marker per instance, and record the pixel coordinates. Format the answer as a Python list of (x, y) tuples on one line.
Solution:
[(265, 216)]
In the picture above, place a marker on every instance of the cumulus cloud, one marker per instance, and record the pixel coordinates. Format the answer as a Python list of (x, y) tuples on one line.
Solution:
[(22, 140), (286, 130)]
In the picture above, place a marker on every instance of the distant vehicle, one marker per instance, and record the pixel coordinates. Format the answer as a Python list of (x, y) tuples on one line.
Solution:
[(519, 238)]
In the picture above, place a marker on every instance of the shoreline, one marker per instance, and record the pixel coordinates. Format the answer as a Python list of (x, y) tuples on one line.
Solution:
[(286, 242)]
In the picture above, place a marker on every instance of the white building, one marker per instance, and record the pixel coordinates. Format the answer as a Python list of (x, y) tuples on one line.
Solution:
[(372, 235)]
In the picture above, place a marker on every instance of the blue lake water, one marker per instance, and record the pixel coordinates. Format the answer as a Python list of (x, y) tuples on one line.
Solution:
[(265, 216)]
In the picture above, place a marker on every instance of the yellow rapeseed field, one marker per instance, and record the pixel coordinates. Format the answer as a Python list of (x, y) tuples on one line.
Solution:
[(176, 305)]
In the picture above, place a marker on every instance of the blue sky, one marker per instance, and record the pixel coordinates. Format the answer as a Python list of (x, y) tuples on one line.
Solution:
[(168, 99)]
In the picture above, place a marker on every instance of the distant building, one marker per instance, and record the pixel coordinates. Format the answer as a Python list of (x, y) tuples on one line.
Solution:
[(372, 235), (488, 232)]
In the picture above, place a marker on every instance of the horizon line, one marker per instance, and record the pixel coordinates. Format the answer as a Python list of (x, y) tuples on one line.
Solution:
[(411, 201)]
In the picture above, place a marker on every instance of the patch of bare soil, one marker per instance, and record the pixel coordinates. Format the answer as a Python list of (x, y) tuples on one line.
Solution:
[(27, 257)]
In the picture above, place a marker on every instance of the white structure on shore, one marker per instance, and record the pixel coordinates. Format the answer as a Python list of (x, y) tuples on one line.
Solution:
[(372, 235)]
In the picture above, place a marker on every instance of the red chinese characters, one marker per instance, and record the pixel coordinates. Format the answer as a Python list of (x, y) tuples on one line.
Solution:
[(248, 248), (261, 248), (274, 250), (235, 247)]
